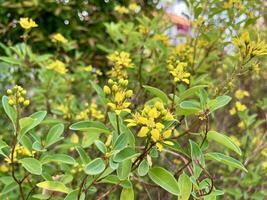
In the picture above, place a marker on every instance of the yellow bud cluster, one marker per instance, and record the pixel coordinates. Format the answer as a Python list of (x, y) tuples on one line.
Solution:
[(58, 37), (121, 9), (16, 96), (164, 39), (239, 107), (240, 94), (118, 95), (90, 112), (76, 168), (65, 111), (250, 49), (183, 52), (121, 61), (19, 150), (58, 66), (150, 120), (178, 72), (230, 4)]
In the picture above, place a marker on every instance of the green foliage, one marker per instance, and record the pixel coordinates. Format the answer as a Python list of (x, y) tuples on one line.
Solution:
[(102, 100)]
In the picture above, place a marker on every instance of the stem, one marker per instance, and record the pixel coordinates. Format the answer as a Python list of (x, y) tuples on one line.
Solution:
[(118, 124), (15, 141), (173, 98), (81, 187)]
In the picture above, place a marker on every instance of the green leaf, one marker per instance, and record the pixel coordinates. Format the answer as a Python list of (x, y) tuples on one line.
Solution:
[(121, 142), (143, 168), (56, 186), (125, 154), (224, 140), (225, 160), (219, 102), (127, 193), (84, 157), (9, 110), (54, 134), (41, 196), (185, 187), (191, 105), (124, 169), (60, 158), (101, 146), (95, 126), (164, 179), (190, 92), (32, 165), (197, 158), (94, 167), (74, 194), (37, 117), (157, 92)]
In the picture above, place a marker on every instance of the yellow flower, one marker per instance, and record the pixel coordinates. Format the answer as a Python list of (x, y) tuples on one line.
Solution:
[(240, 94), (155, 135), (118, 95), (58, 66), (249, 49), (264, 165), (121, 9), (65, 111), (143, 131), (133, 7), (178, 72), (232, 111), (27, 23), (57, 37), (240, 107), (121, 61)]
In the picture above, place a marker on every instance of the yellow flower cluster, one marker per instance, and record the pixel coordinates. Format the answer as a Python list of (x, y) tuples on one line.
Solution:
[(183, 52), (27, 23), (240, 94), (16, 96), (230, 4), (151, 120), (91, 111), (121, 61), (178, 72), (239, 107), (249, 49), (123, 10), (256, 68), (162, 38), (58, 66), (65, 110), (143, 29), (19, 150), (118, 95), (58, 37)]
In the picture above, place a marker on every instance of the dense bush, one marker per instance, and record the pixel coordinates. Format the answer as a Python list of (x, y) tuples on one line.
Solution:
[(101, 101)]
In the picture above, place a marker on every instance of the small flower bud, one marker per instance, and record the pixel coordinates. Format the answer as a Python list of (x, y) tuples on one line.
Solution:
[(21, 100), (26, 102), (11, 102), (115, 88), (125, 82), (9, 92), (106, 90), (129, 93), (110, 82)]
